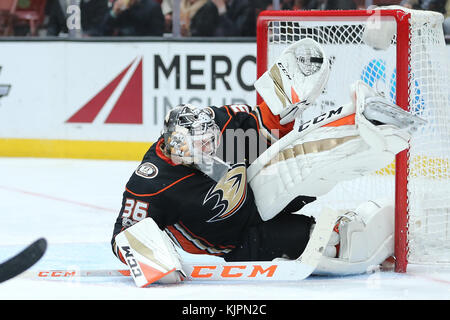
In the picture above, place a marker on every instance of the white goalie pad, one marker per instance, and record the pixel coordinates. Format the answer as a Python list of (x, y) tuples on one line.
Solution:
[(366, 240), (312, 159), (150, 254), (295, 80)]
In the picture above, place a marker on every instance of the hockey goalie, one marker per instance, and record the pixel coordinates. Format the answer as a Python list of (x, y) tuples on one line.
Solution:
[(194, 191)]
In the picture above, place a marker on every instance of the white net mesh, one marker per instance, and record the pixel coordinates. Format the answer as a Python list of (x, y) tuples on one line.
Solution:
[(428, 179), (351, 60)]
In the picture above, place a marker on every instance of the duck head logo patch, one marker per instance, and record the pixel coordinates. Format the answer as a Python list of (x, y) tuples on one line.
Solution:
[(229, 193), (147, 170)]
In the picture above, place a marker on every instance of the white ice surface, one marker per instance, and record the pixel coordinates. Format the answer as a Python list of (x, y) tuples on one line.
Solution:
[(74, 203)]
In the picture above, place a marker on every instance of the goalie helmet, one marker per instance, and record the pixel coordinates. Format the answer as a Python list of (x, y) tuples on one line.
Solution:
[(190, 134)]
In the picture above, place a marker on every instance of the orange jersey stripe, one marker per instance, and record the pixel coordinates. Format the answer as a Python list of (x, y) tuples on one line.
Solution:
[(121, 258), (164, 189), (345, 121), (160, 154), (186, 244), (226, 124), (203, 239), (256, 120)]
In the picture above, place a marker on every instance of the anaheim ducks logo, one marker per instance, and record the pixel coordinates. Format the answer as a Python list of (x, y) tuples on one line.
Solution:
[(230, 192)]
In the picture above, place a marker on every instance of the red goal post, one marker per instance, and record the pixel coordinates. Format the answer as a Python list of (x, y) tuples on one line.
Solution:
[(403, 73)]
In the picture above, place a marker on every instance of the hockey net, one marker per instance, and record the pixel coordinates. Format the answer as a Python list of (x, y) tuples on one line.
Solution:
[(412, 72)]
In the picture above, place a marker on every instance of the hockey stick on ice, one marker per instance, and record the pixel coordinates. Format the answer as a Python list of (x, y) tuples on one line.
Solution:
[(74, 273), (278, 270), (23, 260)]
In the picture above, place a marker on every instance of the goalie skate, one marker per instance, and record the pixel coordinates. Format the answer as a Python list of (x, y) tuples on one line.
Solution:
[(366, 239), (380, 110)]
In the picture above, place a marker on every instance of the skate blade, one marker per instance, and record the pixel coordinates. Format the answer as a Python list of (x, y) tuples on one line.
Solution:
[(378, 109)]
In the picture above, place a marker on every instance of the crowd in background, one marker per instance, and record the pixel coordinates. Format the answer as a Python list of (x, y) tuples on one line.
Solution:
[(196, 18)]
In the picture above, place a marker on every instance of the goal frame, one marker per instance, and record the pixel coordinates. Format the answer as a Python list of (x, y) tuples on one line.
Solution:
[(403, 46)]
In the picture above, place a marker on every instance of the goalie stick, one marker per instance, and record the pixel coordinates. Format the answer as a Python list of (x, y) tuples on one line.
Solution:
[(277, 270), (23, 260)]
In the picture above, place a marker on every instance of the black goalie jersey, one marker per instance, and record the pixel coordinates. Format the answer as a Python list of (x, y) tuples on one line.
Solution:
[(200, 215)]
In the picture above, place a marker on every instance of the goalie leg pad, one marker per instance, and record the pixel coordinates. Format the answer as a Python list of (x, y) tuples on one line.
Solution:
[(312, 167), (149, 254), (366, 240), (312, 161)]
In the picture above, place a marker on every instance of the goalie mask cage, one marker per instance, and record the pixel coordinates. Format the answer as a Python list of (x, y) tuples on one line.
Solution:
[(412, 72)]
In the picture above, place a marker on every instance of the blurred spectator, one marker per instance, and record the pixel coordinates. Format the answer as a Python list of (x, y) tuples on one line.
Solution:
[(447, 19), (133, 18), (432, 5), (298, 4), (167, 10), (91, 11), (261, 5), (198, 18), (293, 4), (334, 5), (236, 18)]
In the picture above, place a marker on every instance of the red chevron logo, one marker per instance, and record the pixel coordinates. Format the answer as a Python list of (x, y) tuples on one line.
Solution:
[(120, 101)]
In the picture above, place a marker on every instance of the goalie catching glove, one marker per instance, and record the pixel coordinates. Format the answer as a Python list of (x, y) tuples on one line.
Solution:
[(295, 80), (342, 144)]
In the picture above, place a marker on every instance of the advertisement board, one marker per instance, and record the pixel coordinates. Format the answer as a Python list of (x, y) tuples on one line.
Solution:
[(108, 99), (86, 99)]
